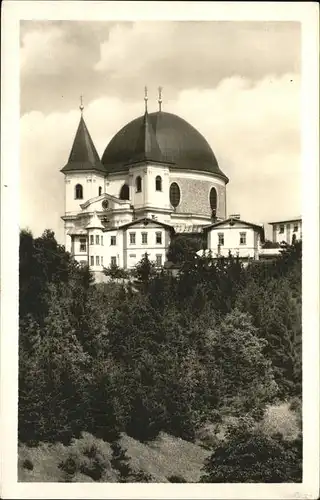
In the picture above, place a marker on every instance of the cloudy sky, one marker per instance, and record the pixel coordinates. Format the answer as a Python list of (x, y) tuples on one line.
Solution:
[(238, 83)]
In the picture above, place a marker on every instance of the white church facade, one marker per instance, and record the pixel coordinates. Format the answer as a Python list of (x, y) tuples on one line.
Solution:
[(157, 177)]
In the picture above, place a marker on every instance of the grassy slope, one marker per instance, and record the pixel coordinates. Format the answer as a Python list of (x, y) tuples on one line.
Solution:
[(162, 458)]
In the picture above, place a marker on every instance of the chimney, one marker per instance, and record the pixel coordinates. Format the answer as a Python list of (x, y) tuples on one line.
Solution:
[(234, 216)]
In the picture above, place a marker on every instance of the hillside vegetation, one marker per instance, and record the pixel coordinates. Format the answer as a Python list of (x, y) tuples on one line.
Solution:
[(179, 370)]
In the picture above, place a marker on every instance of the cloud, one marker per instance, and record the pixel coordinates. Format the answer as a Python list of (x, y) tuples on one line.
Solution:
[(44, 52), (253, 128), (62, 60), (180, 54)]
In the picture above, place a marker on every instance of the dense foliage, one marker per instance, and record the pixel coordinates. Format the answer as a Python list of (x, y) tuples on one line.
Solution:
[(254, 457), (159, 353)]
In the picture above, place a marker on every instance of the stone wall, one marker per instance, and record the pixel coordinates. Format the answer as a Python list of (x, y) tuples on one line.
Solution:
[(195, 197)]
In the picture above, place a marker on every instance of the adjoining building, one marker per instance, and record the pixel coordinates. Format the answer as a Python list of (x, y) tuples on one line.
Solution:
[(287, 230), (235, 236)]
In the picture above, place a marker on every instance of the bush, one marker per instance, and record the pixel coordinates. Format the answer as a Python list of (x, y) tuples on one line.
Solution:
[(250, 456), (88, 456), (27, 464), (176, 479)]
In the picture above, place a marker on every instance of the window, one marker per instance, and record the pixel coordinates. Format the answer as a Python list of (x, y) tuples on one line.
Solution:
[(101, 240), (78, 192), (124, 192), (92, 240), (174, 194), (158, 260), (101, 261), (158, 238), (113, 240), (132, 238), (83, 244), (213, 199), (144, 238), (97, 239), (138, 184), (113, 261), (158, 183), (92, 260), (97, 260), (105, 204), (295, 228), (243, 238), (281, 228), (100, 191), (221, 238)]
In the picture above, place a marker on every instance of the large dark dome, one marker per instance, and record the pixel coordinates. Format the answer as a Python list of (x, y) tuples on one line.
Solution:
[(180, 144)]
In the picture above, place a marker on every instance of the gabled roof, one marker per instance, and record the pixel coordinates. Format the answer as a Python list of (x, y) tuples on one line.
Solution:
[(146, 221), (83, 155), (104, 196), (232, 222), (147, 147)]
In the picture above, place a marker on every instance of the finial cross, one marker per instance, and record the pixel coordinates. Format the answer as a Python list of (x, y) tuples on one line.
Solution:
[(146, 97), (81, 107), (160, 98)]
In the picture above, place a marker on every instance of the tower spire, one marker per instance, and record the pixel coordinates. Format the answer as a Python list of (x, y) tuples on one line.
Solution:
[(81, 107), (146, 98), (160, 97)]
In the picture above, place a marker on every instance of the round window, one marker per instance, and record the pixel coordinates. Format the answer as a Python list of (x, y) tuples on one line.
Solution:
[(213, 199), (174, 194), (105, 204)]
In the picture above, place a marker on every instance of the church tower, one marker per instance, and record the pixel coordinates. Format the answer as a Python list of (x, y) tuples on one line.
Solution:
[(84, 175)]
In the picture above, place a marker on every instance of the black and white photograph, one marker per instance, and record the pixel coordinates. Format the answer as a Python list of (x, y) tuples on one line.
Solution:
[(162, 229)]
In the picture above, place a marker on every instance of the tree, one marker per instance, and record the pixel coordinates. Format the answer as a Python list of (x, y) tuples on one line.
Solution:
[(144, 271), (183, 248), (250, 456), (275, 307), (53, 375), (44, 261), (115, 272), (245, 378)]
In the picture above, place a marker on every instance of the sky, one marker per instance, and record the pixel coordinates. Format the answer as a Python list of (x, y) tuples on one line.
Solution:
[(238, 83)]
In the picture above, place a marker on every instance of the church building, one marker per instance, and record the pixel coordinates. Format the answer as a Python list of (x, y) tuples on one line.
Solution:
[(157, 177)]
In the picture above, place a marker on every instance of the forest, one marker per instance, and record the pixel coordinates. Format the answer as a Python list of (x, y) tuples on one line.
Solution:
[(201, 358)]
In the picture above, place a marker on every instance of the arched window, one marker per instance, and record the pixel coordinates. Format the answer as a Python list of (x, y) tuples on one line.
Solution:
[(158, 183), (124, 192), (213, 199), (78, 192), (174, 194), (100, 191), (138, 184)]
